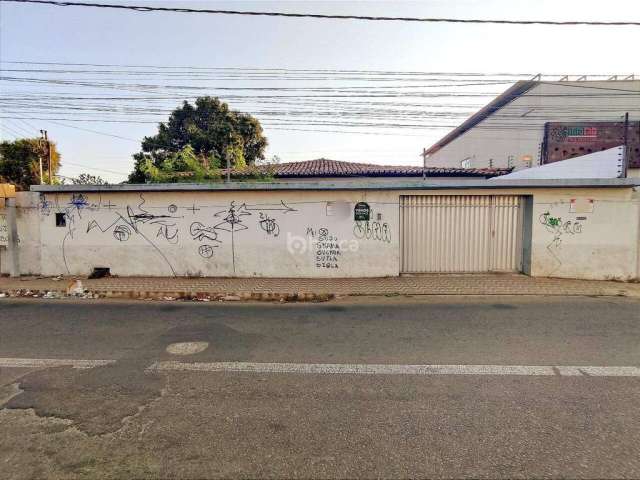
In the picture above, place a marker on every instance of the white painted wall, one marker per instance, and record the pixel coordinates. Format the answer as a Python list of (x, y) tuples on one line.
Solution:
[(28, 235), (249, 234), (601, 244), (516, 130), (157, 239)]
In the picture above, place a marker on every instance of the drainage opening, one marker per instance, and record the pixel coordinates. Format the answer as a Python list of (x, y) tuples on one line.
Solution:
[(99, 272)]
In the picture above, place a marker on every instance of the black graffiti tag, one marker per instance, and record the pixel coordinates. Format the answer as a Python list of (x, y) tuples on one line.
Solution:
[(122, 233), (206, 251), (199, 231), (269, 225), (372, 231)]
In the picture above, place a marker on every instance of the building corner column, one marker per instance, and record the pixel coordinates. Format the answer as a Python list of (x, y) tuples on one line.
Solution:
[(13, 245)]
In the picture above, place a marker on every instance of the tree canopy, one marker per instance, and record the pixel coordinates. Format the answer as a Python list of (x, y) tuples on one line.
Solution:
[(211, 130), (19, 162), (182, 166), (88, 179)]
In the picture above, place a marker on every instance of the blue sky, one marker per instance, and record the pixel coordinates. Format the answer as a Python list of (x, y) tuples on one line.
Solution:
[(38, 33)]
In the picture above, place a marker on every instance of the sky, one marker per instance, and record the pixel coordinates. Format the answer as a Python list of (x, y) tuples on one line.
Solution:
[(383, 118)]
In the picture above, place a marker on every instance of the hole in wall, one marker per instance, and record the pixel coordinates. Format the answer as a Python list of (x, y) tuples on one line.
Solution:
[(61, 220)]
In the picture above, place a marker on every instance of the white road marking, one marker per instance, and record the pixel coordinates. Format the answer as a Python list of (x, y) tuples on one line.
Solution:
[(373, 369), (343, 368), (51, 362)]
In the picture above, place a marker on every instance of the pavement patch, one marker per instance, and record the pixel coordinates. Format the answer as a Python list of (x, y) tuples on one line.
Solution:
[(96, 396), (187, 348)]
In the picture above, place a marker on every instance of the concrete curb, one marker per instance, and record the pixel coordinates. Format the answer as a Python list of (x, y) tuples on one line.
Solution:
[(206, 296), (171, 295)]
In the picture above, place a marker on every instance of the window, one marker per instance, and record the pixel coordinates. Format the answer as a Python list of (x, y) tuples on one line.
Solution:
[(61, 220), (466, 163)]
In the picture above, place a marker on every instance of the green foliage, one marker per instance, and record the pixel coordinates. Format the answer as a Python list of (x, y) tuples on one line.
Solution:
[(183, 166), (274, 160), (19, 162), (264, 173), (87, 179), (211, 130)]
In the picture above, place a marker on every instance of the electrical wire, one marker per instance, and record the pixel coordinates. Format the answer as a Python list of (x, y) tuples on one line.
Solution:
[(296, 70), (139, 8), (21, 129), (95, 131), (94, 168), (15, 133)]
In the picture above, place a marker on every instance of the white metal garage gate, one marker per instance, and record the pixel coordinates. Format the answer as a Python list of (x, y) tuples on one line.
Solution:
[(460, 233)]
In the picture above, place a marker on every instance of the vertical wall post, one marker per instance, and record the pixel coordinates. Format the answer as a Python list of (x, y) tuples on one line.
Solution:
[(625, 164), (12, 246), (527, 233)]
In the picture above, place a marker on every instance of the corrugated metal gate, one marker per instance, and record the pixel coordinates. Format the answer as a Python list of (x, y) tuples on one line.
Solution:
[(460, 233)]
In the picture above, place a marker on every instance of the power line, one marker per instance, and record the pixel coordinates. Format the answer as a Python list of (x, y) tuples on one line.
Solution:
[(94, 131), (139, 8), (284, 70), (30, 125), (13, 132), (19, 128), (315, 70), (94, 168)]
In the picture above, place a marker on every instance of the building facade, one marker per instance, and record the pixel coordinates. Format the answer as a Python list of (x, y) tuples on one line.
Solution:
[(572, 228), (538, 122)]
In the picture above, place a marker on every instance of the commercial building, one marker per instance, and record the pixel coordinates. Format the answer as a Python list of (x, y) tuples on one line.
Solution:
[(540, 122)]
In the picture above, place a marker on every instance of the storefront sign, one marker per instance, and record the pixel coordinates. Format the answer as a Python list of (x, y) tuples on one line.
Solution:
[(574, 139)]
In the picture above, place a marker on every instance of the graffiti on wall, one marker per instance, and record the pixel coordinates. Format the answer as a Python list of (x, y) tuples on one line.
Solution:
[(559, 230), (4, 231), (327, 249), (372, 231), (203, 229)]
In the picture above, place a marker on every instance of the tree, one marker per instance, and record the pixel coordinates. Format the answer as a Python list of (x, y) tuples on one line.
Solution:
[(211, 129), (19, 162), (274, 160), (182, 166), (87, 179)]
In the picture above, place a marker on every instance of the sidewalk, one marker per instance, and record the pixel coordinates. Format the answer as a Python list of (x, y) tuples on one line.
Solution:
[(316, 289)]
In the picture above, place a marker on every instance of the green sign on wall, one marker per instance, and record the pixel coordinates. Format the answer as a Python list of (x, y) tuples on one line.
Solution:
[(361, 212)]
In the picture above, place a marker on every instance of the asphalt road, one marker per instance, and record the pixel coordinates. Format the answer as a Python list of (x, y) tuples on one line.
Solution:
[(250, 412)]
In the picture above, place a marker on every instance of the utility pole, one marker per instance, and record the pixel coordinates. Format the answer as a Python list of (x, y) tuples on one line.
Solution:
[(46, 146), (625, 166), (40, 156), (13, 245), (424, 155), (46, 139)]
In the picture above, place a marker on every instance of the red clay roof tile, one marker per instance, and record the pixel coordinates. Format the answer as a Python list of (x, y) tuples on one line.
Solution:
[(323, 167)]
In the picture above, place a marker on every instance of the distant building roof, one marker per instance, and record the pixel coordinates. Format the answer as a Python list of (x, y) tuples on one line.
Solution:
[(516, 90), (513, 92), (323, 167)]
